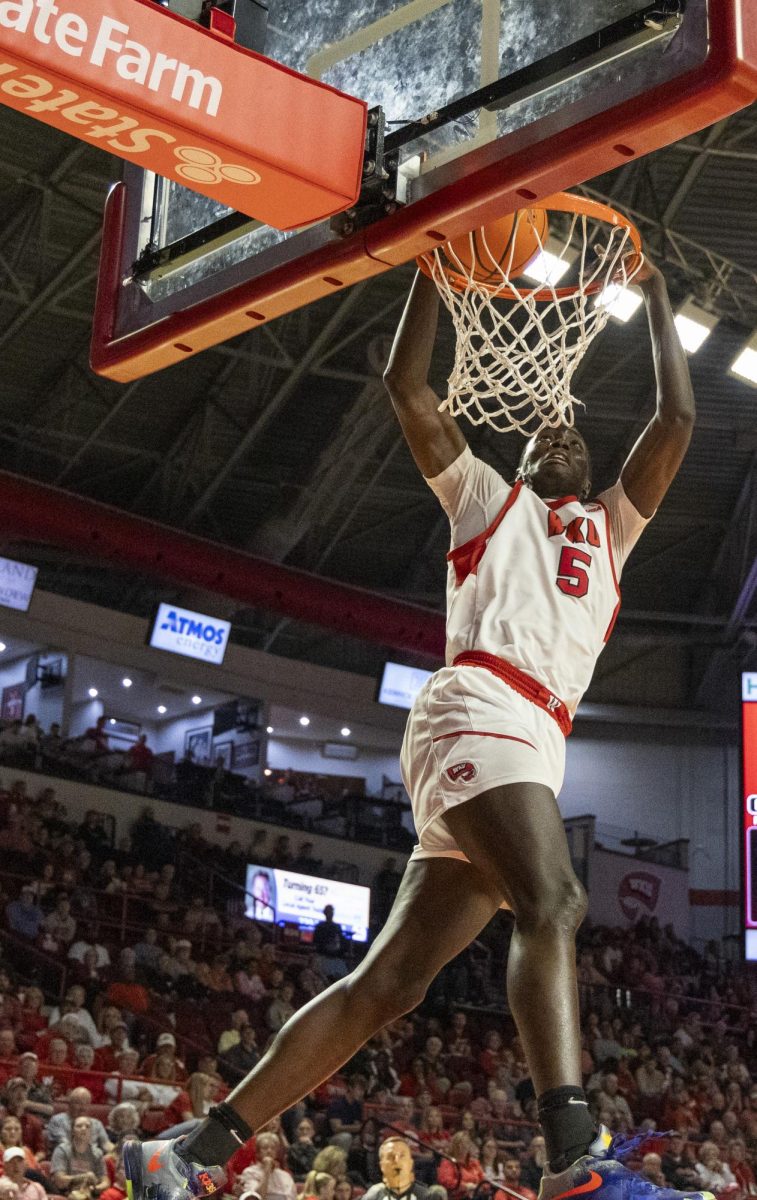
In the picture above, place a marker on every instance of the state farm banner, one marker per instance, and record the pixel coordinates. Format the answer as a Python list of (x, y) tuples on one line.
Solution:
[(186, 103), (622, 889)]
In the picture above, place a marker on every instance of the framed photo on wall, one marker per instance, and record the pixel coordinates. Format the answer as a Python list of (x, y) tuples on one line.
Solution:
[(224, 751), (247, 754), (197, 743), (12, 704)]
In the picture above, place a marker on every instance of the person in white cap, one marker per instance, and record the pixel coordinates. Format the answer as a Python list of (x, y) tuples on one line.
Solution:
[(163, 1063), (14, 1167)]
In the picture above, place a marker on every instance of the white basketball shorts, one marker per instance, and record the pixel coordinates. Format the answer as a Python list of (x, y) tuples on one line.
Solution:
[(467, 732)]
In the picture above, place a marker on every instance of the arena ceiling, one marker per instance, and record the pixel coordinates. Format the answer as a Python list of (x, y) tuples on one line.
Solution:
[(283, 442)]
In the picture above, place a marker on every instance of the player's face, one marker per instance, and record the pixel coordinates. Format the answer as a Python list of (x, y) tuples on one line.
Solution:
[(556, 463)]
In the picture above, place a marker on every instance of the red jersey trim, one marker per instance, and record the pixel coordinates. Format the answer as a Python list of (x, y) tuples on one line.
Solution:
[(560, 502), (465, 558), (507, 737), (520, 682), (608, 534)]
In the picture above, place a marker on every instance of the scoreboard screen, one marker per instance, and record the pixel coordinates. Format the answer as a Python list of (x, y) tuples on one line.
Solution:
[(749, 810)]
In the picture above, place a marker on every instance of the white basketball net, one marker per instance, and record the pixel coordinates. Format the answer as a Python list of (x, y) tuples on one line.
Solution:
[(515, 355)]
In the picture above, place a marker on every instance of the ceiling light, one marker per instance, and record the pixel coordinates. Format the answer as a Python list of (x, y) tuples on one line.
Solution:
[(268, 771), (162, 708), (197, 699), (112, 721), (304, 720), (126, 682), (269, 728), (620, 302), (2, 647), (551, 263), (345, 731), (745, 365), (93, 693), (694, 325)]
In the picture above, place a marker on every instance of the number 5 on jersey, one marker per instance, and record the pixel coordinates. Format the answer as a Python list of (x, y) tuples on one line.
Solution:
[(573, 571)]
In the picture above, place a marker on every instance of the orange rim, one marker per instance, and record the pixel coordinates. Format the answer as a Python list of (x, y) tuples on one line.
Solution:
[(559, 202)]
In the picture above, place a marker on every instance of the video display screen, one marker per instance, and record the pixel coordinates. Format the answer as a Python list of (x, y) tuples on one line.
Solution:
[(400, 685), (281, 896)]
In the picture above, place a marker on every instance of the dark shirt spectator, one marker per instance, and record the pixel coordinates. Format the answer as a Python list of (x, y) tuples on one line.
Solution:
[(23, 915)]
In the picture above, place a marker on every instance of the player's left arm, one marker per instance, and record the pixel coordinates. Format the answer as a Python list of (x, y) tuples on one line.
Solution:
[(653, 463)]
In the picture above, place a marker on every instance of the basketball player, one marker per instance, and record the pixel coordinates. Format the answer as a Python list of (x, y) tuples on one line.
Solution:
[(532, 597)]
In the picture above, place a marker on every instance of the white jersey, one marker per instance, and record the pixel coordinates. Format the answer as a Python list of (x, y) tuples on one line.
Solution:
[(533, 581)]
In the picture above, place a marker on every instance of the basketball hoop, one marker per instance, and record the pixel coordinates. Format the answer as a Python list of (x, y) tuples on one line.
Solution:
[(518, 346)]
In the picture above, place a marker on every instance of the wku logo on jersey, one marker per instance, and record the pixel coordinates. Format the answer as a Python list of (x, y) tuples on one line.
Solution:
[(462, 770), (579, 531)]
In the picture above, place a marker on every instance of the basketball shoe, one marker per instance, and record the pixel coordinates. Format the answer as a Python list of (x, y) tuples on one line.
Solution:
[(154, 1171), (601, 1173)]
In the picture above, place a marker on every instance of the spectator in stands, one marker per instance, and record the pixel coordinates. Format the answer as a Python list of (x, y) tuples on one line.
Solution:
[(29, 1113), (78, 1165), (281, 1009), (189, 1105), (123, 1123), (302, 1151), (231, 1036), (200, 920), (714, 1174), (328, 941), (318, 1185), (95, 739), (610, 1098), (248, 981), (138, 760), (107, 1053), (39, 1098), (651, 1169), (265, 1178), (240, 1059), (56, 1065), (60, 1127), (24, 916), (73, 1008), (59, 928), (742, 1169), (397, 1173), (534, 1164), (8, 1047), (88, 941), (511, 1178), (148, 952), (678, 1166), (11, 1134), (492, 1161), (345, 1114), (462, 1176), (14, 1168), (126, 989), (164, 1064), (305, 860), (281, 855)]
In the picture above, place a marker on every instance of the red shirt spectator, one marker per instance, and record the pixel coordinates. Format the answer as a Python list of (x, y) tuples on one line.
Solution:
[(458, 1176)]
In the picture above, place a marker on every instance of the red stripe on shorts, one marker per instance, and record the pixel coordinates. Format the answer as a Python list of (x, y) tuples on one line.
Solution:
[(507, 737)]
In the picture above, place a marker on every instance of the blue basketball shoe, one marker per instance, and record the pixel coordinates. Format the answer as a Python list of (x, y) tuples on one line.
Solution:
[(601, 1172), (154, 1171)]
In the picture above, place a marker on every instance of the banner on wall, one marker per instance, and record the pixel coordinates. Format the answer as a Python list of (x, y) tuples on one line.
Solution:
[(749, 810), (622, 889)]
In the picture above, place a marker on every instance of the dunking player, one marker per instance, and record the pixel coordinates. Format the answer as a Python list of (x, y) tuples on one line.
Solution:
[(532, 596)]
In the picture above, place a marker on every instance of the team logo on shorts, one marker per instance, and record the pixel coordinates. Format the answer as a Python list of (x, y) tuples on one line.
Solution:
[(462, 770)]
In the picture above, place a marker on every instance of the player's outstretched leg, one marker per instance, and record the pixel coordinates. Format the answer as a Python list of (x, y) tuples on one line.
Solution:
[(442, 904), (514, 834)]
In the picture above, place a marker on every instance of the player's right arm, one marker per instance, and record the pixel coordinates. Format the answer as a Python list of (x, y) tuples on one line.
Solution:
[(434, 438)]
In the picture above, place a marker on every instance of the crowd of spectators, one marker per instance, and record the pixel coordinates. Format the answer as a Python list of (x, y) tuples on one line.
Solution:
[(287, 797), (163, 1012)]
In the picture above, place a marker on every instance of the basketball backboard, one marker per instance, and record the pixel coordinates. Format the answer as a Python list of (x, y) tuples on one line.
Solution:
[(488, 104)]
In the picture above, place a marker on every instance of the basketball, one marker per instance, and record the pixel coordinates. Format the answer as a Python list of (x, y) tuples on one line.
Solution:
[(502, 248)]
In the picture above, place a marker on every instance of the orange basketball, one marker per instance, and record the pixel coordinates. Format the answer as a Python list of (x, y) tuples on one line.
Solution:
[(503, 248)]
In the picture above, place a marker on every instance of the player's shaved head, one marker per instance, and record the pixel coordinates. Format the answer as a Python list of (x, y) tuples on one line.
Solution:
[(556, 462)]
